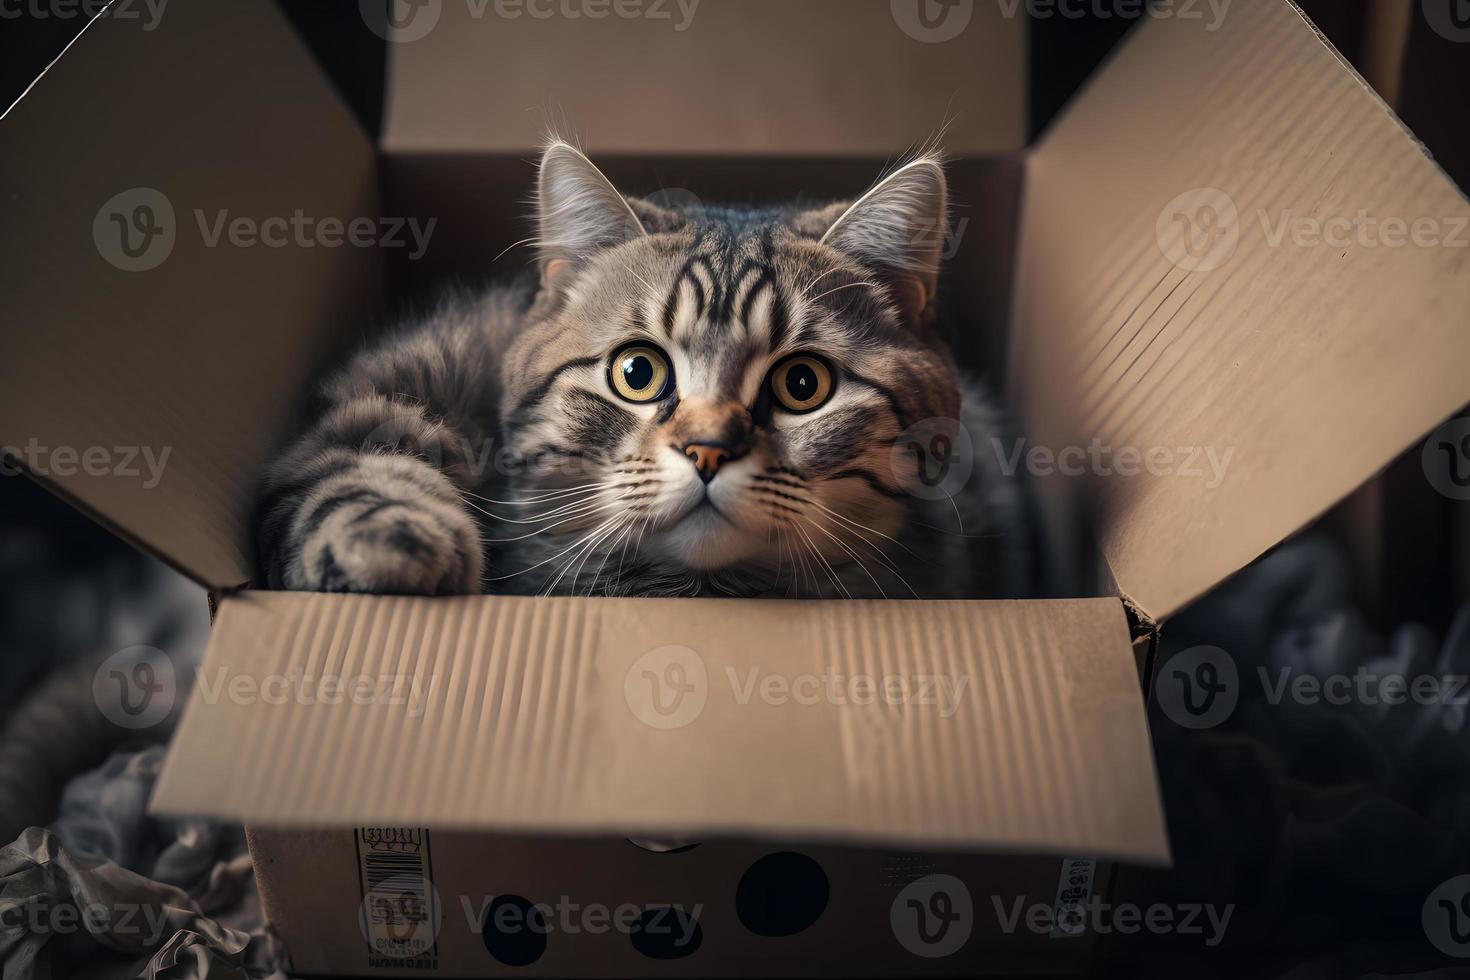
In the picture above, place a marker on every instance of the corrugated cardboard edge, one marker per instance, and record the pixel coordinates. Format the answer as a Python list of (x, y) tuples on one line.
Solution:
[(1266, 112), (201, 350), (544, 701), (746, 83)]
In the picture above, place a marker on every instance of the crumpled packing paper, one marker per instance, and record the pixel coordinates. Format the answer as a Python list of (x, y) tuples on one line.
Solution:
[(52, 902)]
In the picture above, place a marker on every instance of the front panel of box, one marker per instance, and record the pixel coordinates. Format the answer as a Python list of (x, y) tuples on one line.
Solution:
[(382, 901)]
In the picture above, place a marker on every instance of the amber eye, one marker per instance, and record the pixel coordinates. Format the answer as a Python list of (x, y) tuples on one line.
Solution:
[(640, 373), (801, 383)]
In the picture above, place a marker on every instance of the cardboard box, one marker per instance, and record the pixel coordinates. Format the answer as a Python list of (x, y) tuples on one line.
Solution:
[(527, 738)]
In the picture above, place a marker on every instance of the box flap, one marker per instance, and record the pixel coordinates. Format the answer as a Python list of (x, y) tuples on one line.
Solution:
[(995, 725), (1239, 261), (147, 363), (668, 77)]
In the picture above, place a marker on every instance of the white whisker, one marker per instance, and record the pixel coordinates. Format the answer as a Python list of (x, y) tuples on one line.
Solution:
[(846, 285), (860, 563), (817, 554)]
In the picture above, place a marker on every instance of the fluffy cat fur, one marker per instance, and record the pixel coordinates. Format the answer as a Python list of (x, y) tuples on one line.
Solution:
[(486, 448)]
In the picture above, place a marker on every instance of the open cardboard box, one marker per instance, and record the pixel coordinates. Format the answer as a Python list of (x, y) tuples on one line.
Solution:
[(537, 745)]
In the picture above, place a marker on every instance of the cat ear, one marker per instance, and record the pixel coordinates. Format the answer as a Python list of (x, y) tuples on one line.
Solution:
[(578, 211), (897, 228)]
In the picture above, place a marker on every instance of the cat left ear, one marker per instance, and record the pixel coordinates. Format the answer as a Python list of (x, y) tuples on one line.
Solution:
[(578, 212), (897, 229)]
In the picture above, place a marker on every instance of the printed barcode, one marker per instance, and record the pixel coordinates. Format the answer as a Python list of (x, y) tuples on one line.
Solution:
[(399, 912), (393, 872), (1074, 891)]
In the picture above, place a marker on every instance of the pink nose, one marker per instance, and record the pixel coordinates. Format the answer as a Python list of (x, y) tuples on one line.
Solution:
[(707, 458)]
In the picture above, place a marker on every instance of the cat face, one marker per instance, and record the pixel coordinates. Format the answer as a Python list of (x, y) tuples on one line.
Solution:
[(723, 392)]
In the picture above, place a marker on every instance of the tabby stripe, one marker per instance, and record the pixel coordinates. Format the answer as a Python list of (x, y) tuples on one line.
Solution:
[(671, 306), (778, 319), (327, 507), (712, 287), (780, 483), (733, 293), (778, 493), (884, 391), (637, 319), (858, 473), (534, 397), (280, 496), (698, 291), (550, 450)]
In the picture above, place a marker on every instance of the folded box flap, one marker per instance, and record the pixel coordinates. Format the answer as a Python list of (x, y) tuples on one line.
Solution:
[(671, 77), (1237, 260), (1016, 725), (148, 361)]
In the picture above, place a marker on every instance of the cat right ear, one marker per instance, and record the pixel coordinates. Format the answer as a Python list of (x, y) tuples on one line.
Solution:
[(578, 212), (897, 228)]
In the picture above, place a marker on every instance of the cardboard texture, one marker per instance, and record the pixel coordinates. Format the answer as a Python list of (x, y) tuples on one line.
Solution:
[(584, 886), (764, 77), (540, 739), (1004, 725), (187, 355), (1312, 365)]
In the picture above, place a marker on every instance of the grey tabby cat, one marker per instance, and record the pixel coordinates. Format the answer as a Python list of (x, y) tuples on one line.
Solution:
[(691, 401)]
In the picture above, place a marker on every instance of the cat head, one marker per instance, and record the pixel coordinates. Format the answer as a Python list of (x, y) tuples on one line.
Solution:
[(724, 386)]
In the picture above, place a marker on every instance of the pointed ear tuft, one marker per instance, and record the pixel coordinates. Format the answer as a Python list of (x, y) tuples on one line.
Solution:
[(898, 229), (578, 211)]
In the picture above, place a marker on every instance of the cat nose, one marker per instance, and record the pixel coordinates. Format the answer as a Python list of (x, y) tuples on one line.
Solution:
[(708, 457)]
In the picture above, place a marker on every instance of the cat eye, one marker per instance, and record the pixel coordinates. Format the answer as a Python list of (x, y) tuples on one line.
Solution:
[(640, 373), (801, 383)]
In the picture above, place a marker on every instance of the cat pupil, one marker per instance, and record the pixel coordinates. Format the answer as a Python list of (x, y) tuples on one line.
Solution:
[(801, 382), (638, 371)]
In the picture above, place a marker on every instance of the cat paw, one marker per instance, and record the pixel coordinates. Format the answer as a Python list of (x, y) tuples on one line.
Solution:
[(392, 525)]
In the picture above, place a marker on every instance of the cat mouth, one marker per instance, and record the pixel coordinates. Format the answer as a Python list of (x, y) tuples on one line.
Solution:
[(705, 538), (704, 509), (698, 512)]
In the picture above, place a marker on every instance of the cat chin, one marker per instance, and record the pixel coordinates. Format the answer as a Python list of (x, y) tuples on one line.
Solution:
[(703, 541)]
